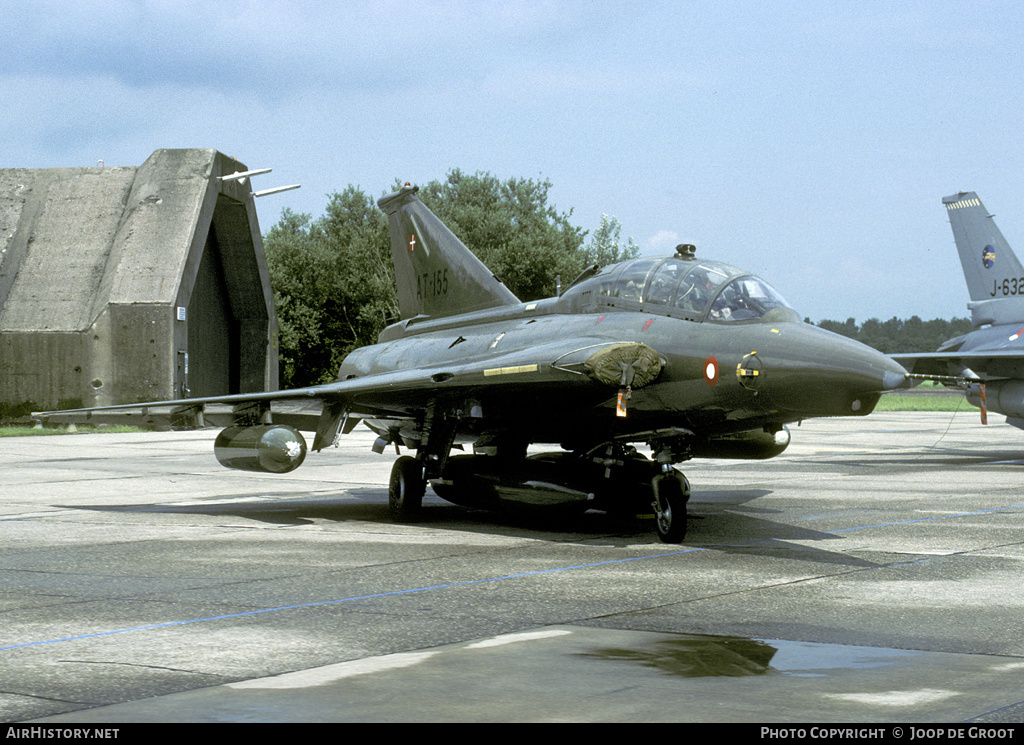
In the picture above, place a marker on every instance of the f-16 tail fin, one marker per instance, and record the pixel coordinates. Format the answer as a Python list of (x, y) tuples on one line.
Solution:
[(995, 277), (984, 254), (435, 272)]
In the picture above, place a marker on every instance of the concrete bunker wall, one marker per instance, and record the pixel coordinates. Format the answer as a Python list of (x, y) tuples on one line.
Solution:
[(132, 284)]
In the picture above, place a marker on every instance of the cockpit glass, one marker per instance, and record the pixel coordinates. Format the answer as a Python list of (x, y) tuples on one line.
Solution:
[(664, 282), (747, 298), (694, 290), (699, 286), (605, 279), (630, 284)]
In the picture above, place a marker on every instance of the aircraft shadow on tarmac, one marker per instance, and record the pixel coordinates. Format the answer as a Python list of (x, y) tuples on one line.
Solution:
[(726, 521), (895, 462), (951, 458), (719, 520)]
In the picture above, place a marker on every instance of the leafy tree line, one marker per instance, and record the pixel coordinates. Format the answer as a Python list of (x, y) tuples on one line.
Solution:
[(896, 335), (333, 277)]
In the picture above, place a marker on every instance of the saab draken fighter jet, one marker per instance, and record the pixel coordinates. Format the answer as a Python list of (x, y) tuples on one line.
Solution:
[(684, 356), (988, 362)]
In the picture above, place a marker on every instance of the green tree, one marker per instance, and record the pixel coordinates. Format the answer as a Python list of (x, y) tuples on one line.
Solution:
[(848, 329), (899, 336), (333, 285), (605, 246)]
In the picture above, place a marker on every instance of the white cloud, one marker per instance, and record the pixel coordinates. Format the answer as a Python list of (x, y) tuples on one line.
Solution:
[(664, 241)]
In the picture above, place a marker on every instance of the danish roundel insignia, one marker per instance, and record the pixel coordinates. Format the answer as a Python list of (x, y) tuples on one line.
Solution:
[(711, 371)]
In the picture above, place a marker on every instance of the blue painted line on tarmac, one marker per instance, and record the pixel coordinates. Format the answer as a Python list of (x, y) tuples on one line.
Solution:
[(339, 601), (503, 578)]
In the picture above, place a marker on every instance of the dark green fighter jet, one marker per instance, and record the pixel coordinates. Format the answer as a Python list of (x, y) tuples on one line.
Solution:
[(678, 357)]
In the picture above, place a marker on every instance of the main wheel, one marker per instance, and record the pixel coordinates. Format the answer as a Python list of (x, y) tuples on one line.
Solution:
[(406, 489), (671, 493)]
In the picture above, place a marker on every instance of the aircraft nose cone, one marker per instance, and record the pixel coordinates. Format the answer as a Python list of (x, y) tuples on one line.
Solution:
[(892, 381), (819, 373)]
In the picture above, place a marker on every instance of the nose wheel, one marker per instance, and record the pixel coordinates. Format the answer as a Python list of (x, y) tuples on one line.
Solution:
[(671, 493)]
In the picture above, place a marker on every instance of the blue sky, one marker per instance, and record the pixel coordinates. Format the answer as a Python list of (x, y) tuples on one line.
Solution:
[(809, 142)]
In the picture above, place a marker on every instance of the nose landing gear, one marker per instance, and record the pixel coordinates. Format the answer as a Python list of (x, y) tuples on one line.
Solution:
[(671, 493)]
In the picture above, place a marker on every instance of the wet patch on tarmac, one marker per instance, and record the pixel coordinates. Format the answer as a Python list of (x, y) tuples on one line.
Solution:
[(570, 673)]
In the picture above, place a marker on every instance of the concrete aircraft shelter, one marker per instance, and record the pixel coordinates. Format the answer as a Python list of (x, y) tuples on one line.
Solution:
[(132, 284)]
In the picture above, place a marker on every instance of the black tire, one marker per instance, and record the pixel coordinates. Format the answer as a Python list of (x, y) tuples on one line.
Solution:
[(671, 493), (406, 489)]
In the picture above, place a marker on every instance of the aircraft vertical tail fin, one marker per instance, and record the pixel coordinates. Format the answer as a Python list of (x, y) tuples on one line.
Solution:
[(435, 272), (984, 253), (995, 277)]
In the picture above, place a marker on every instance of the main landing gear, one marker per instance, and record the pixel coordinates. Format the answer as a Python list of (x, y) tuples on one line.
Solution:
[(615, 479), (406, 489)]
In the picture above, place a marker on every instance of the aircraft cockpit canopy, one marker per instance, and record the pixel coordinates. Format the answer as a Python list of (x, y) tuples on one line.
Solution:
[(693, 289)]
